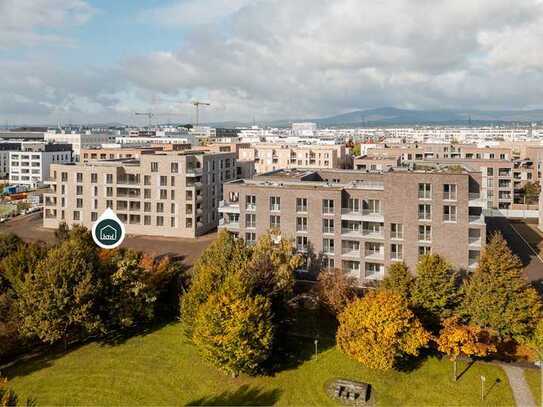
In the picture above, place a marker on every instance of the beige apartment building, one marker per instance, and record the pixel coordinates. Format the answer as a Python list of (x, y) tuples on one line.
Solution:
[(363, 221), (271, 157), (162, 193)]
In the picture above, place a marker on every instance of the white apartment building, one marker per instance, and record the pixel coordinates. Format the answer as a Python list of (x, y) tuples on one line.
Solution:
[(5, 148), (86, 139), (30, 166)]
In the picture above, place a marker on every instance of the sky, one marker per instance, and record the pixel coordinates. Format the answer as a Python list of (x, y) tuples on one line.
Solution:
[(96, 61)]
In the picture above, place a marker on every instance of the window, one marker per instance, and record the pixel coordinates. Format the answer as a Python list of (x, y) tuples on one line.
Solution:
[(109, 178), (328, 246), (490, 172), (79, 190), (79, 203), (373, 271), (301, 243), (76, 215), (350, 246), (160, 220), (425, 233), (353, 205), (174, 168), (396, 231), (163, 194), (109, 191), (424, 250), (425, 191), (250, 220), (250, 237), (327, 206), (275, 203), (64, 177), (328, 226), (351, 266), (172, 194), (396, 251), (147, 180), (154, 166), (301, 204), (449, 213), (250, 202), (160, 207), (275, 221), (109, 204), (301, 224), (172, 221), (372, 206), (163, 181), (147, 220), (147, 207), (425, 212), (79, 177), (94, 216), (449, 192), (328, 262)]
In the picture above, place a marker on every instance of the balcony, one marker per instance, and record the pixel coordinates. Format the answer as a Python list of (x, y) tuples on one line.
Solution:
[(194, 172), (354, 233), (476, 220), (369, 215), (228, 207), (472, 264), (378, 255), (373, 234), (351, 254), (475, 200), (350, 214), (227, 224), (474, 242)]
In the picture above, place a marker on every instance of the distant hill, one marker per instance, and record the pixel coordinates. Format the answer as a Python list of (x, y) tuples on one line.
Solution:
[(390, 116)]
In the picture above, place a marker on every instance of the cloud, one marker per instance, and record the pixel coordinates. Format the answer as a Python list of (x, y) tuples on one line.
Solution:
[(308, 58), (28, 23)]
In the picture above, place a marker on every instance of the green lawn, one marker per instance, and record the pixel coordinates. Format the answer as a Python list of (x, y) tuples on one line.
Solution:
[(161, 368), (533, 377)]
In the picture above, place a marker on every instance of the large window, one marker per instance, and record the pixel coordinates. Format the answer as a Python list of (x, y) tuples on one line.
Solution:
[(250, 202), (328, 246), (425, 233), (302, 243), (275, 203), (449, 192), (449, 213), (328, 225), (250, 220), (425, 191), (275, 221), (396, 231), (425, 212), (396, 251), (301, 224), (301, 204), (327, 206)]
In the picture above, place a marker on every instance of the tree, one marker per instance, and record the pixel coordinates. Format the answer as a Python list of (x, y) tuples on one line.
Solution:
[(456, 339), (9, 242), (62, 232), (356, 150), (531, 191), (335, 289), (399, 279), (56, 300), (21, 261), (498, 297), (378, 328), (233, 330), (225, 256), (435, 292)]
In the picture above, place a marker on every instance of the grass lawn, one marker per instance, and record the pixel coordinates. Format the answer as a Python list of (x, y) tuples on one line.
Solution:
[(162, 368), (533, 377)]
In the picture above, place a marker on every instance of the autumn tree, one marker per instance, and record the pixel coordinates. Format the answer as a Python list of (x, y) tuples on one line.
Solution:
[(335, 289), (234, 330), (378, 328), (457, 339), (435, 292), (399, 279), (225, 256), (57, 299), (498, 297)]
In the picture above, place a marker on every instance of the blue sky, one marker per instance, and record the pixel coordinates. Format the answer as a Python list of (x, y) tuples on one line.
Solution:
[(97, 60)]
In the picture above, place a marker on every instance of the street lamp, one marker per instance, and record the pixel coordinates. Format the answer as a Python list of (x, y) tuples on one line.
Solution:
[(316, 348), (483, 379)]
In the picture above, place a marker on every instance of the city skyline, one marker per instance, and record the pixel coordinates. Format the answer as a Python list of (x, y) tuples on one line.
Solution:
[(98, 61)]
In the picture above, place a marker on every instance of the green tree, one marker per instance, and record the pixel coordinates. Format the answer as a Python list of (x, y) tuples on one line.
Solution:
[(399, 279), (225, 256), (57, 300), (62, 232), (234, 330), (356, 150), (378, 328), (531, 191), (21, 261), (9, 242), (435, 292), (498, 297)]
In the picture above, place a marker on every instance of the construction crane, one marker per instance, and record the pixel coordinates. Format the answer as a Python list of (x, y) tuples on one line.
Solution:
[(150, 115), (197, 105)]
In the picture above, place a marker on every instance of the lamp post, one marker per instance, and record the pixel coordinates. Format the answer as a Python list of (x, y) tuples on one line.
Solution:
[(483, 379), (316, 348)]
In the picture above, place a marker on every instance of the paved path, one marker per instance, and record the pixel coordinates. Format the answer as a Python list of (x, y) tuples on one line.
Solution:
[(517, 382)]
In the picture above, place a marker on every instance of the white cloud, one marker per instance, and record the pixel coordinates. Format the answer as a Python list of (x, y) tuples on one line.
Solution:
[(25, 23)]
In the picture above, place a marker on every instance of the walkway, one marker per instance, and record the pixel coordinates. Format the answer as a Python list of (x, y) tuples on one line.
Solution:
[(517, 382)]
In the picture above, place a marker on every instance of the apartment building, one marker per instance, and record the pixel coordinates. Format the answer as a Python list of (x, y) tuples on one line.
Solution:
[(30, 166), (79, 140), (166, 193), (123, 151), (363, 221), (377, 163), (5, 148), (271, 157)]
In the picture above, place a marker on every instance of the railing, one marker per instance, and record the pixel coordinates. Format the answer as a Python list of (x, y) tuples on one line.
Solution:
[(478, 219), (250, 207), (275, 207), (373, 234)]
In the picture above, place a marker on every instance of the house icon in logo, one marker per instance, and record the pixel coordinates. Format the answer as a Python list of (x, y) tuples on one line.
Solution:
[(108, 233)]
